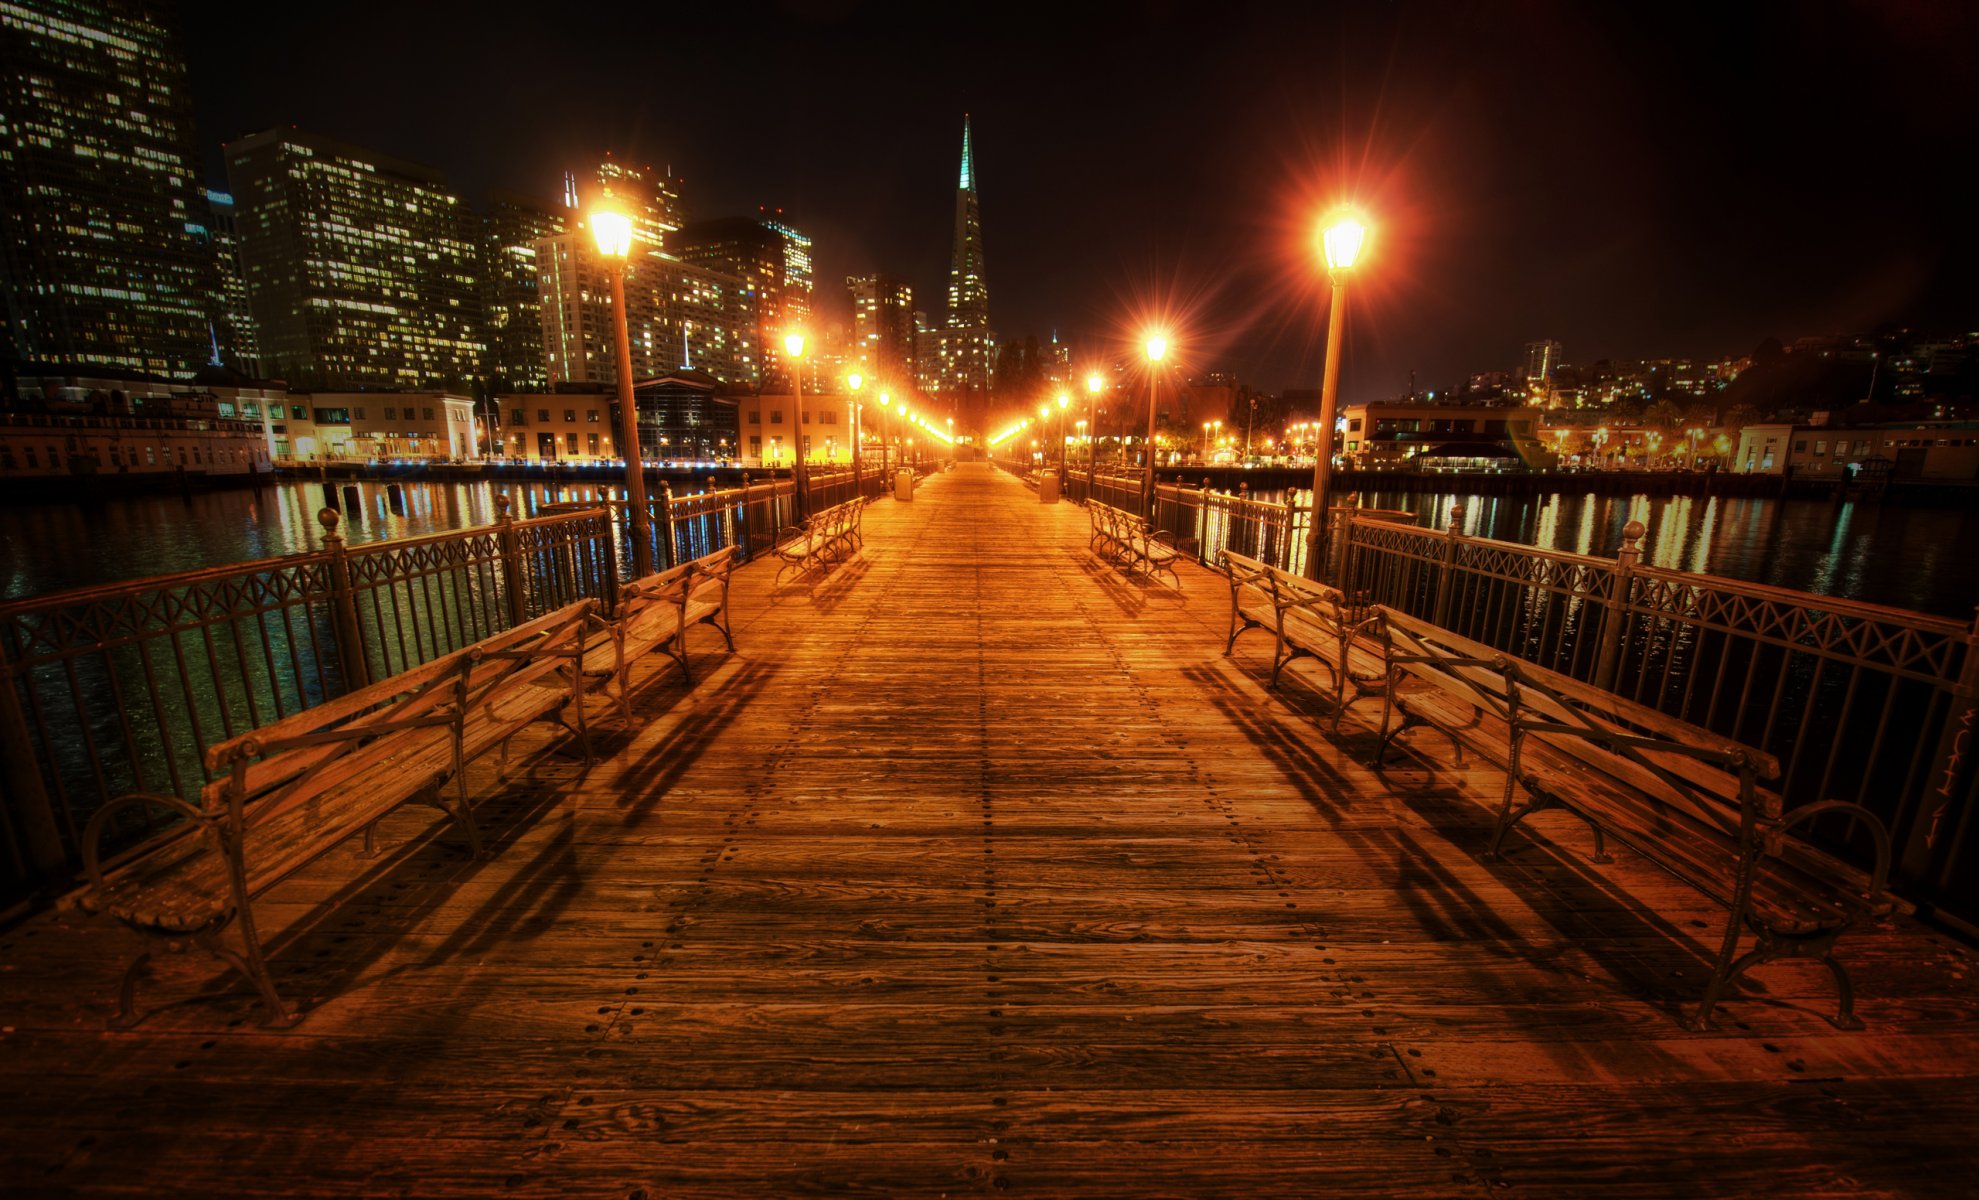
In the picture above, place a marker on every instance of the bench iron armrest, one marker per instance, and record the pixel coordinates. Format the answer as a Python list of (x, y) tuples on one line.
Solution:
[(92, 835), (1877, 834)]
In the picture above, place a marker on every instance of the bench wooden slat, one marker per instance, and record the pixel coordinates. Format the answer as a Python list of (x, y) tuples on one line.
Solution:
[(1684, 798), (301, 785)]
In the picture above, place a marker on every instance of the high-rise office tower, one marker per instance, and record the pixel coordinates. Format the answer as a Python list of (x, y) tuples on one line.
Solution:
[(774, 260), (510, 294), (678, 315), (650, 197), (234, 343), (101, 258), (883, 335), (1541, 360), (967, 344), (362, 270)]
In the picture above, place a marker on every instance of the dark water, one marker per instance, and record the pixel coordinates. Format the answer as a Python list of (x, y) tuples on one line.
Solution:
[(51, 547), (1925, 559), (1920, 558)]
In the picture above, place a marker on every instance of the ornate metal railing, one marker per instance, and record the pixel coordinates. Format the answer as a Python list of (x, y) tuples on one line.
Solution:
[(1859, 702), (115, 689)]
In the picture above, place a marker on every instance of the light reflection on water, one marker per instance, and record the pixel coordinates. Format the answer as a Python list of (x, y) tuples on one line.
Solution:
[(52, 547), (1918, 558)]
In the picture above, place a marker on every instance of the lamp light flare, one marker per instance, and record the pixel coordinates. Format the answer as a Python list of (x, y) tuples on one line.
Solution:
[(1342, 241), (793, 344), (613, 231), (1157, 347), (1063, 400), (1094, 383), (855, 381)]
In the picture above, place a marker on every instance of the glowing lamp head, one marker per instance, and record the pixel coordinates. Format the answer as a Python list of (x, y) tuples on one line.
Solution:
[(613, 230), (793, 344), (1094, 383), (885, 399), (1157, 348), (855, 381), (1342, 241), (1063, 401)]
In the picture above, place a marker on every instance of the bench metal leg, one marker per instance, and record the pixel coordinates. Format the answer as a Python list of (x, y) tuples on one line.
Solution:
[(255, 967), (1844, 1017), (127, 1014), (249, 964), (1538, 800)]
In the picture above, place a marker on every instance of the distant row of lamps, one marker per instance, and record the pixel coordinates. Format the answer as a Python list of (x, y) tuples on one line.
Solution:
[(1342, 238)]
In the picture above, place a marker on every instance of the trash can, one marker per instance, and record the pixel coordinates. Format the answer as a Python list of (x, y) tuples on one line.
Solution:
[(1048, 489), (903, 485)]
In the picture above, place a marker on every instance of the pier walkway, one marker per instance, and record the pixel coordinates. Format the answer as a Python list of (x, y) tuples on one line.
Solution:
[(978, 869)]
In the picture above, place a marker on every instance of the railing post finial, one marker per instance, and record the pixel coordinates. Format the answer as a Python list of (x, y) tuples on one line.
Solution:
[(328, 518), (1457, 519), (1631, 551)]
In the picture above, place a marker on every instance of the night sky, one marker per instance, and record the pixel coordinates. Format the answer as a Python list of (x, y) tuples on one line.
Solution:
[(1633, 180)]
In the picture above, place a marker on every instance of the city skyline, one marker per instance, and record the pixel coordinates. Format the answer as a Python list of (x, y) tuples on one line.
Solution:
[(1663, 187)]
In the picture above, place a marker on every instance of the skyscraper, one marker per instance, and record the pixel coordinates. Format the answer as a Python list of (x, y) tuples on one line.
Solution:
[(883, 333), (510, 297), (234, 342), (774, 259), (362, 270), (650, 197), (678, 315), (967, 344), (101, 215), (1541, 360)]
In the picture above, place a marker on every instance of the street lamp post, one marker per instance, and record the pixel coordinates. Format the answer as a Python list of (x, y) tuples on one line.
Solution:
[(1093, 385), (886, 419), (853, 383), (1064, 401), (1342, 245), (1250, 424), (800, 475), (1157, 349), (613, 231)]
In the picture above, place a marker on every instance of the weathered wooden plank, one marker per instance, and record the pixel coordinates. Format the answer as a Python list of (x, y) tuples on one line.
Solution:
[(979, 869)]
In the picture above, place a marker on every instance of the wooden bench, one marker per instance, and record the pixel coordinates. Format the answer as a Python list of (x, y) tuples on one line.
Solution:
[(655, 613), (1684, 798), (289, 792), (1308, 619), (1122, 538), (823, 538)]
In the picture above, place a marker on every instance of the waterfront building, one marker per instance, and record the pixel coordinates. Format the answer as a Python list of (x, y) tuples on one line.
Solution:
[(1417, 436), (1929, 451), (234, 342), (774, 431), (965, 348), (362, 270), (883, 326), (772, 261), (108, 425), (511, 298), (102, 257), (685, 416), (573, 422)]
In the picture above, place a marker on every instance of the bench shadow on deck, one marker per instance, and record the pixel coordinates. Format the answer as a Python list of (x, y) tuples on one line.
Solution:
[(979, 869)]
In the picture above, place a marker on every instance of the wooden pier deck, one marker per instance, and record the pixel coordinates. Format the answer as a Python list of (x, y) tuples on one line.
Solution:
[(978, 869)]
